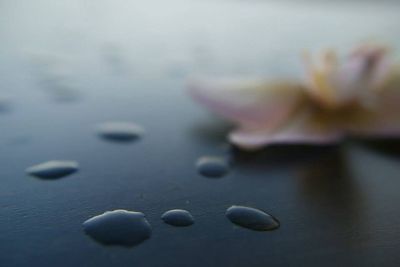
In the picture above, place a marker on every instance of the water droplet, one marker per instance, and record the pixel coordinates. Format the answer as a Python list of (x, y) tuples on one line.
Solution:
[(118, 227), (212, 166), (4, 104), (20, 140), (64, 93), (120, 131), (178, 217), (251, 218), (53, 169)]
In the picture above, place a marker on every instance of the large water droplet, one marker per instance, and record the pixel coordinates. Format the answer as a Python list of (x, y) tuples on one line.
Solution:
[(178, 217), (118, 227), (214, 167), (120, 131), (251, 218), (53, 169)]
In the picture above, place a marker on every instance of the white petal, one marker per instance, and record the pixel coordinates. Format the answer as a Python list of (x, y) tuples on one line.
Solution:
[(251, 103)]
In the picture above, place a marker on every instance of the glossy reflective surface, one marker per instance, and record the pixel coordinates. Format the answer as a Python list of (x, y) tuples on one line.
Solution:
[(128, 61)]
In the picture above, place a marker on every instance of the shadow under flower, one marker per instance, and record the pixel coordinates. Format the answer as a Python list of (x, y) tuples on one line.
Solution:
[(320, 185), (328, 190), (278, 156), (387, 147), (326, 177)]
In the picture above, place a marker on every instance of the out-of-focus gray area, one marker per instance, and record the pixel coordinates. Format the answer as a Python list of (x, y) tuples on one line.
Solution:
[(179, 37)]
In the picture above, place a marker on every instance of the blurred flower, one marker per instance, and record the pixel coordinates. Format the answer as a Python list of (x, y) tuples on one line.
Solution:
[(358, 95)]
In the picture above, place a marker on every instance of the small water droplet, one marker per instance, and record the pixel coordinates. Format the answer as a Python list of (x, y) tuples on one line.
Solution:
[(120, 131), (214, 167), (53, 169), (178, 217), (64, 93), (20, 140), (118, 227), (251, 218), (4, 105)]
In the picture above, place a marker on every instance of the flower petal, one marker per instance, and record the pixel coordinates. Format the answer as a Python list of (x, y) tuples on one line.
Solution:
[(251, 103), (365, 70), (383, 119), (301, 130), (334, 84)]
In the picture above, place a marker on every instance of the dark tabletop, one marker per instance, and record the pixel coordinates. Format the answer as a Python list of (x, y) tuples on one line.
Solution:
[(66, 66)]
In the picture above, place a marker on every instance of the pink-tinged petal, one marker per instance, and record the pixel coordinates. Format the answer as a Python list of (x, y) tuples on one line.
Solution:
[(253, 140), (383, 118), (301, 130), (334, 84), (348, 80), (317, 73), (375, 62), (365, 70), (251, 103)]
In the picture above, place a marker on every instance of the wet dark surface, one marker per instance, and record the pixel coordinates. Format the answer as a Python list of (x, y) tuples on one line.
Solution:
[(338, 206)]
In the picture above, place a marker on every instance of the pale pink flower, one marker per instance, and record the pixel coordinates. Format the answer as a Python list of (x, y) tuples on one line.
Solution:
[(358, 95)]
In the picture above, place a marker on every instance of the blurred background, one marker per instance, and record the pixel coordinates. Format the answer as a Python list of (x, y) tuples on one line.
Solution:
[(175, 38)]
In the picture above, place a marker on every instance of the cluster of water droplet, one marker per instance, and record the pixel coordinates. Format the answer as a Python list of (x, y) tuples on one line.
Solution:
[(129, 228)]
